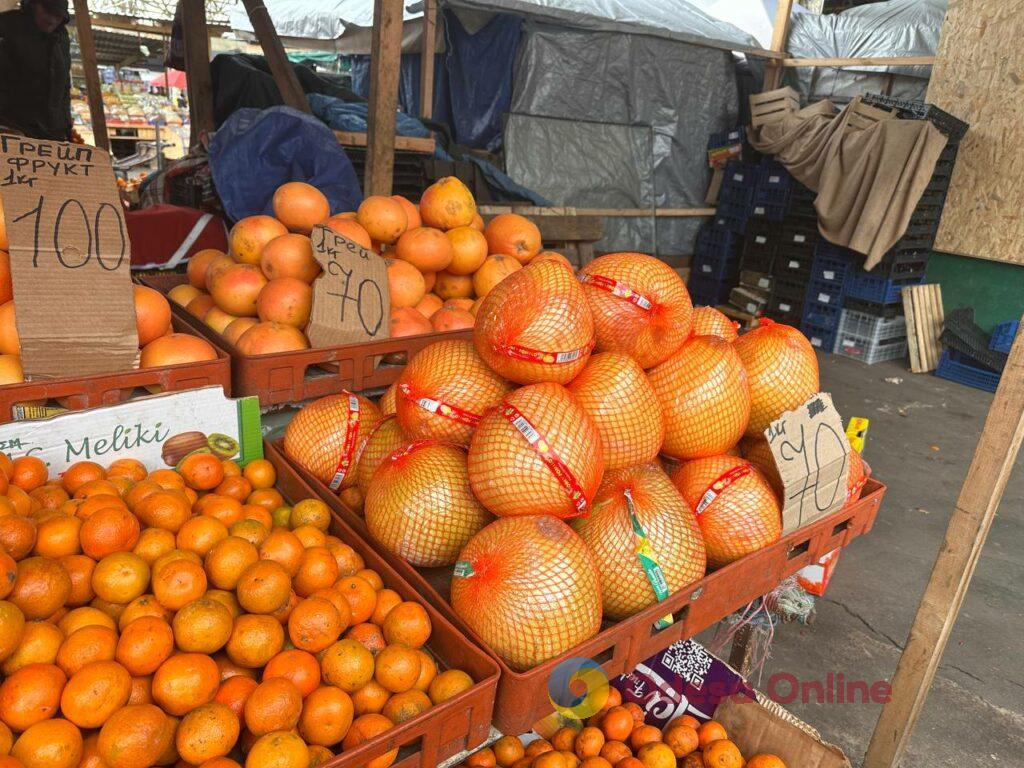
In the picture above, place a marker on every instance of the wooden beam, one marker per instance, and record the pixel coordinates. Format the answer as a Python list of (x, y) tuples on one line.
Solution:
[(87, 48), (284, 75), (427, 59), (780, 33), (529, 210), (954, 566), (863, 61), (197, 67), (405, 143), (385, 66)]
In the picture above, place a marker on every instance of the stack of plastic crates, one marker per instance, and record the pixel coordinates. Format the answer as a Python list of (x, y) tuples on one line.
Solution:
[(1003, 335), (716, 264), (823, 302), (956, 366), (870, 338), (772, 194), (736, 197), (794, 256)]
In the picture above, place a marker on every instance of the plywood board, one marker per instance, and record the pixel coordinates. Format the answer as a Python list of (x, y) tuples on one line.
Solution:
[(976, 77)]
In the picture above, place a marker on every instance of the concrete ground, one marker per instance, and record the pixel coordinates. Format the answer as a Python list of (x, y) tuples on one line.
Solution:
[(921, 440)]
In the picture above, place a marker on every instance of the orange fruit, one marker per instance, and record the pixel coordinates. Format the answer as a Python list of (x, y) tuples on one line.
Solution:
[(681, 738), (206, 733), (144, 605), (234, 692), (397, 668), (85, 616), (28, 472), (280, 749), (347, 664), (153, 543), (263, 587), (31, 695), (274, 705), (185, 681), (109, 530), (39, 643), (255, 640), (144, 645), (371, 698), (317, 570), (17, 535), (152, 313), (366, 727), (369, 635), (49, 744), (643, 734), (449, 684), (361, 597), (201, 471), (411, 211), (200, 534), (260, 473), (57, 536), (658, 755), (41, 586), (178, 583), (310, 536), (406, 285), (98, 487), (428, 671), (406, 705), (202, 626), (710, 731), (722, 753), (408, 624), (94, 693), (20, 500), (326, 716), (12, 623), (223, 508), (227, 560), (135, 737), (268, 498), (617, 724), (349, 561), (252, 531), (299, 667), (197, 265), (80, 473), (494, 269), (508, 750), (386, 600), (314, 624), (120, 577), (8, 573), (84, 646), (469, 250), (235, 487), (765, 760)]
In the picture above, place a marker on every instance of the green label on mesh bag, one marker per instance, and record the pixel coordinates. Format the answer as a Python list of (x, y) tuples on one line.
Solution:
[(648, 560), (463, 569)]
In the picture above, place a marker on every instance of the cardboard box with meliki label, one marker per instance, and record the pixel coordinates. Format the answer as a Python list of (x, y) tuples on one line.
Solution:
[(159, 431)]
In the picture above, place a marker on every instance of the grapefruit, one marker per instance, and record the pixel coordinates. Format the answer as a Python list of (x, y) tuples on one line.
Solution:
[(174, 349), (704, 394), (197, 264), (426, 248), (757, 451), (406, 286), (407, 321), (513, 235), (708, 321), (236, 289), (617, 395), (351, 229), (285, 300), (248, 238), (451, 319), (537, 452), (266, 338), (640, 305), (528, 587), (469, 250), (300, 206), (447, 204), (383, 218), (493, 271), (535, 326), (289, 255), (419, 504), (152, 314), (668, 523)]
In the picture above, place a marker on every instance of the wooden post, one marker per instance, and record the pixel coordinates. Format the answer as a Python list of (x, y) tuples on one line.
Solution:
[(287, 83), (780, 32), (87, 46), (427, 59), (954, 566), (197, 67), (385, 64)]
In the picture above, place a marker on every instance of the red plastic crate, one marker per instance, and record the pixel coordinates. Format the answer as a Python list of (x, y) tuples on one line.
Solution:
[(79, 392), (523, 696), (291, 377), (458, 724)]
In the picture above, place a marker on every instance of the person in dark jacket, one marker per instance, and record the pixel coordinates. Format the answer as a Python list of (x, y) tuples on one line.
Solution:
[(35, 70)]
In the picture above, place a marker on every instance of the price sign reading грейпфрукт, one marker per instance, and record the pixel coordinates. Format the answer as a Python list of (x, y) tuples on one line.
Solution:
[(70, 258), (812, 455)]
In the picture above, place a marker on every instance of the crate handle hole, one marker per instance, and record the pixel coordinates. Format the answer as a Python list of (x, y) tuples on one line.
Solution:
[(840, 527), (799, 549), (605, 656), (679, 617)]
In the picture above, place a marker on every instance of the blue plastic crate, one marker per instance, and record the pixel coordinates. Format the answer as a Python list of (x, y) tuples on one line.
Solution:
[(821, 315), (768, 211), (737, 196), (709, 292), (820, 338), (1003, 336), (739, 175), (863, 285), (716, 266), (712, 239), (957, 367), (731, 217)]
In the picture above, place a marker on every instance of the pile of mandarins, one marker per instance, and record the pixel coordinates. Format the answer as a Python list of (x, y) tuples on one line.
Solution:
[(617, 737), (190, 617), (440, 259)]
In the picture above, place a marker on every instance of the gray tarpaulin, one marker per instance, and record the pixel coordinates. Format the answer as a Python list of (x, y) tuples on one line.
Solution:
[(601, 119)]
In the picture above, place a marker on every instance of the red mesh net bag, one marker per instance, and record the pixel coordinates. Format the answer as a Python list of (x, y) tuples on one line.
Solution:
[(615, 392), (327, 437), (641, 497), (782, 369), (704, 397), (537, 453), (708, 321), (856, 476), (736, 508), (445, 390), (641, 306), (756, 451), (529, 588), (535, 325), (419, 505), (387, 400), (385, 438)]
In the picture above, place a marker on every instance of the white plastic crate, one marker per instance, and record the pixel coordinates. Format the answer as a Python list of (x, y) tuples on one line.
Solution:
[(871, 339)]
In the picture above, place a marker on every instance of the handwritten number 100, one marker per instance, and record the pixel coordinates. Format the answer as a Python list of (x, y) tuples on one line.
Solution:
[(93, 232)]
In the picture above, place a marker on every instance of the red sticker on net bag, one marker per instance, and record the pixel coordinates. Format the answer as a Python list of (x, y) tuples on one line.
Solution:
[(520, 352), (447, 410), (719, 485), (547, 454), (615, 288), (348, 448)]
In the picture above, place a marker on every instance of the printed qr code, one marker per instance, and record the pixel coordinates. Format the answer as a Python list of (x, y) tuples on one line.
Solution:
[(689, 660)]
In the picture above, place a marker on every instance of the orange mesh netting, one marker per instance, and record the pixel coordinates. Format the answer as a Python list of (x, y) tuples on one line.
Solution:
[(782, 369), (615, 392), (708, 321), (528, 587), (326, 437), (670, 527), (703, 393), (538, 453), (419, 505), (756, 451), (387, 400), (855, 476), (385, 438), (535, 325), (641, 306), (445, 390), (737, 519)]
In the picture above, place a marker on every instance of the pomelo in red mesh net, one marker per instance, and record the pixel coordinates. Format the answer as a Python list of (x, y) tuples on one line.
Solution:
[(668, 522), (385, 438), (615, 392), (736, 508), (387, 400), (756, 451), (782, 369), (528, 586), (419, 505), (704, 397), (535, 326), (708, 321), (856, 475), (445, 390), (537, 453), (327, 437), (641, 306)]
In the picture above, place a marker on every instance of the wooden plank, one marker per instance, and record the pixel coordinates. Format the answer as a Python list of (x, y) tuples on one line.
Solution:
[(427, 59), (197, 67), (405, 143), (780, 32), (385, 64), (863, 61), (913, 332), (87, 48), (572, 211), (284, 75), (976, 77), (938, 319), (954, 566)]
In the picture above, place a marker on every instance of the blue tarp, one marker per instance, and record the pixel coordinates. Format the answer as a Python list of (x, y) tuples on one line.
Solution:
[(346, 116), (256, 151)]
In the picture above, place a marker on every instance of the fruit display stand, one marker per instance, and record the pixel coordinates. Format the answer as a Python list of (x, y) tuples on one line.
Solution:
[(291, 377), (522, 696), (78, 392), (464, 721)]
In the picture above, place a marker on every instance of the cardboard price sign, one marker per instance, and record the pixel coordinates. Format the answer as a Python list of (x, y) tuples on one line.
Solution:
[(812, 454), (351, 302), (70, 259)]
